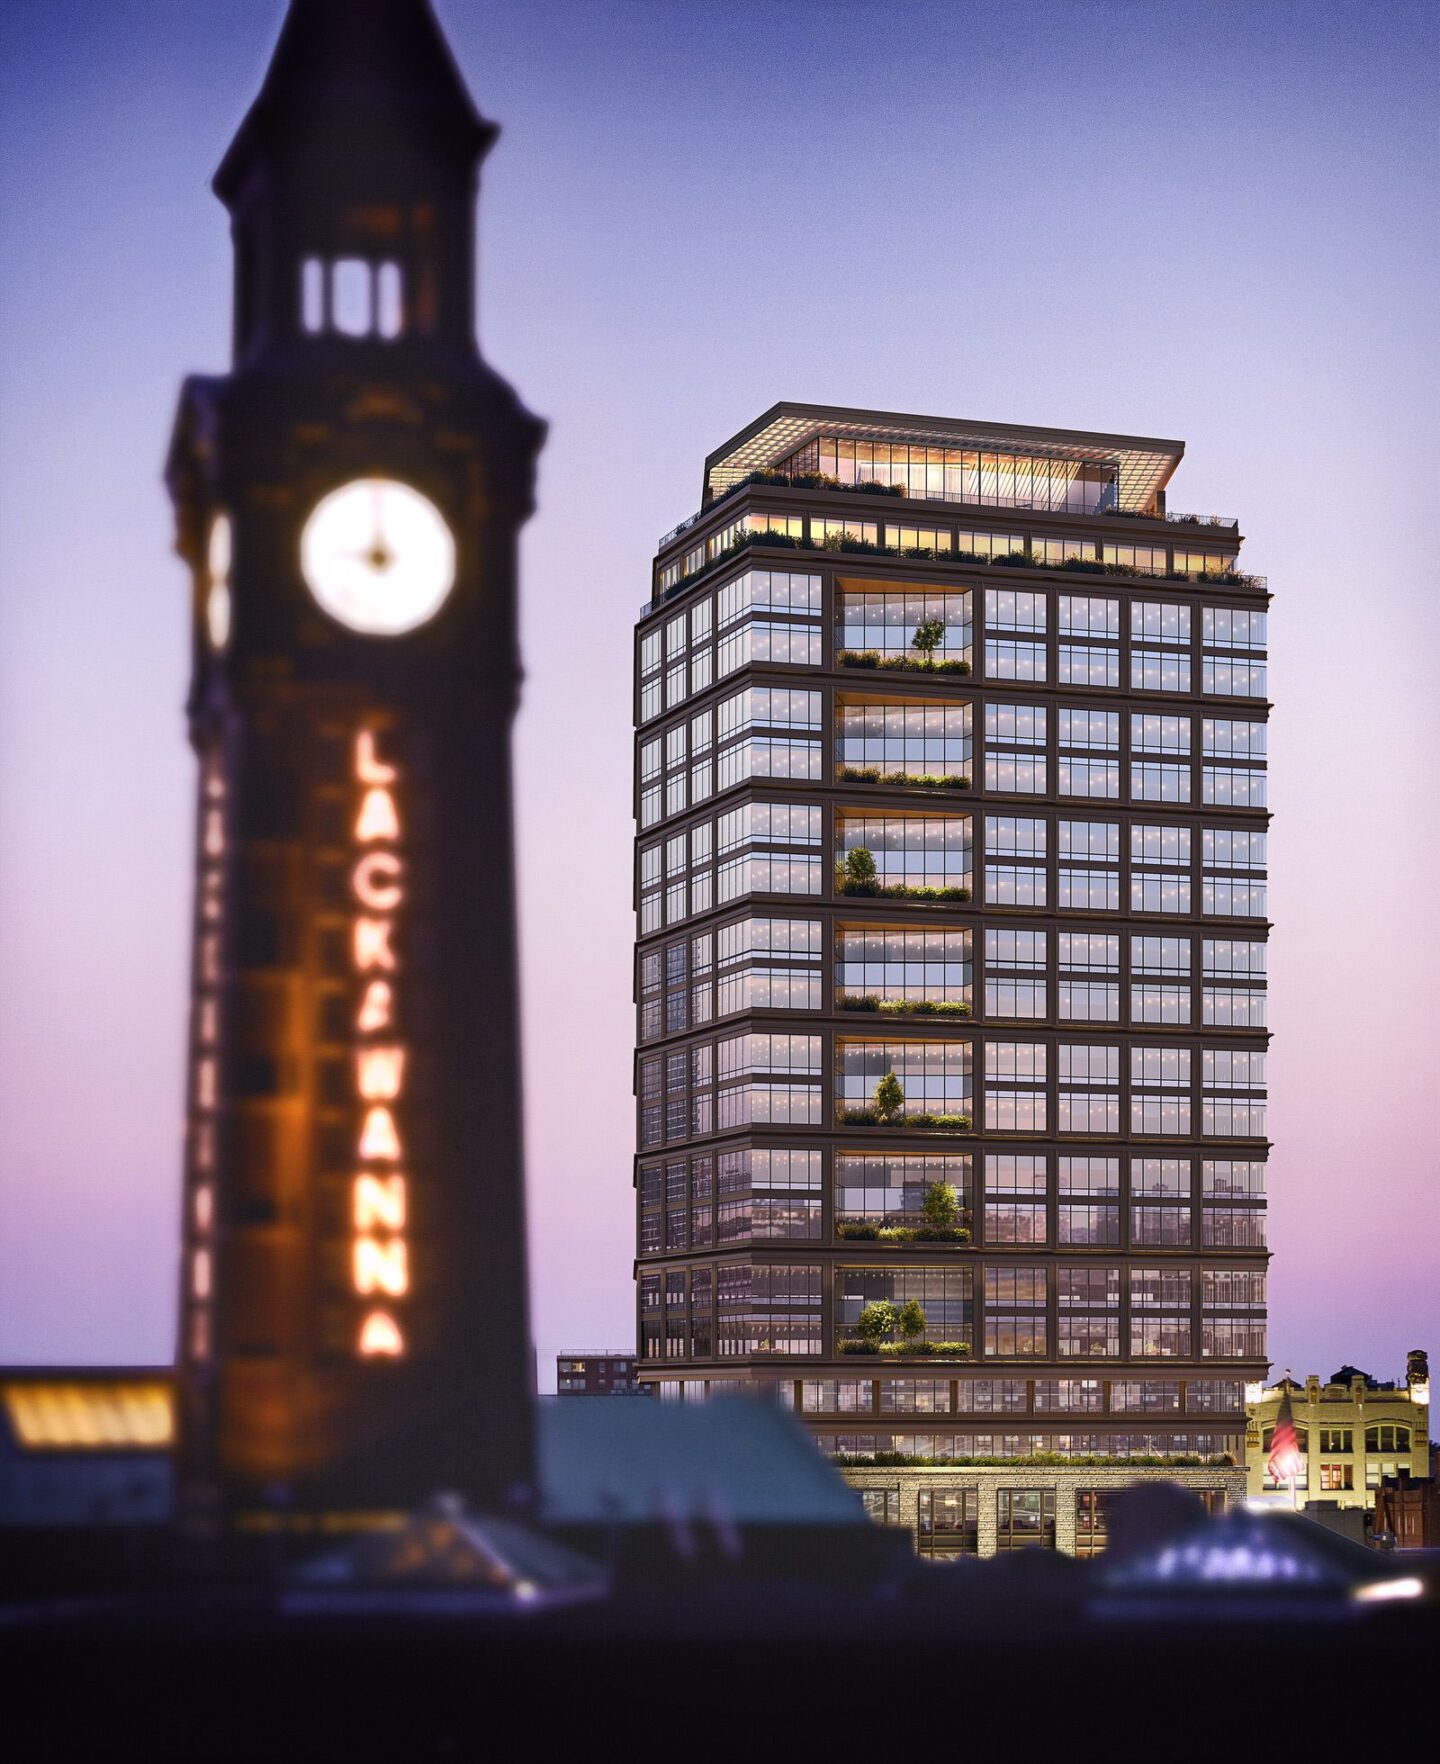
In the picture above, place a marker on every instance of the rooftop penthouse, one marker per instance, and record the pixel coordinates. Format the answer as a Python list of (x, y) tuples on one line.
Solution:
[(829, 479)]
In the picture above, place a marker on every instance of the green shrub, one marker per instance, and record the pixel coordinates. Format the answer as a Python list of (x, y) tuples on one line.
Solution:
[(857, 1231), (877, 1321)]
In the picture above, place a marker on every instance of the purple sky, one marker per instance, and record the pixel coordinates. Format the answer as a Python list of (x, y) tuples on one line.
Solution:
[(1208, 220)]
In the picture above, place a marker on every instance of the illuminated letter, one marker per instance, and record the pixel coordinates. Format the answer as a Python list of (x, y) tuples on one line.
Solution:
[(379, 1203), (378, 819), (378, 1138), (375, 1008), (200, 1274), (379, 1334), (369, 769), (372, 945), (381, 1267), (215, 832), (377, 881), (380, 1073)]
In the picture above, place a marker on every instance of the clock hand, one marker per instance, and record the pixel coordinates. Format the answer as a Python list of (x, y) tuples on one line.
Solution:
[(378, 553)]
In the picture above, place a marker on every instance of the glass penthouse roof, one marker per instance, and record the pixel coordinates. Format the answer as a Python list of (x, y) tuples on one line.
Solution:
[(1142, 466)]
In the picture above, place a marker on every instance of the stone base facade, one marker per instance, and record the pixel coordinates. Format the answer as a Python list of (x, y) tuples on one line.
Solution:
[(982, 1509)]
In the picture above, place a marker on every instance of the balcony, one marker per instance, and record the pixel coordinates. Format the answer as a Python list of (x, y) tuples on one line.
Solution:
[(968, 560)]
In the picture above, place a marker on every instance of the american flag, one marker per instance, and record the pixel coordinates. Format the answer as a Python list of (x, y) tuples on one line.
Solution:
[(1283, 1463)]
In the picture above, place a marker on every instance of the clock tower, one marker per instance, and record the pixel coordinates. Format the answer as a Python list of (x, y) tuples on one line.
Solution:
[(354, 1330)]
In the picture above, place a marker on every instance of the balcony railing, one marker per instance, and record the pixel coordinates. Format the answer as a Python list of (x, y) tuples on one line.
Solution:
[(960, 559)]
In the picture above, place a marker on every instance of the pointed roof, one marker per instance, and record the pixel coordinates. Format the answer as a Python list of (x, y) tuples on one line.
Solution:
[(357, 74)]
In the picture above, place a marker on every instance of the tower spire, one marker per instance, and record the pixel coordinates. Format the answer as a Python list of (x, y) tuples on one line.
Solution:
[(362, 147), (357, 80)]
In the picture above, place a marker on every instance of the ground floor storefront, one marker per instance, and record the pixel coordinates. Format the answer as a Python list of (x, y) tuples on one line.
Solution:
[(983, 1510)]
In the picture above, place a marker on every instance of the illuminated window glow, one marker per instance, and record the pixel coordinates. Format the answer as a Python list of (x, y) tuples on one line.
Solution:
[(73, 1416)]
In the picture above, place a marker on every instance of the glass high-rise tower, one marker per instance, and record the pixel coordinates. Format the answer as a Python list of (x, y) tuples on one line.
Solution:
[(950, 966)]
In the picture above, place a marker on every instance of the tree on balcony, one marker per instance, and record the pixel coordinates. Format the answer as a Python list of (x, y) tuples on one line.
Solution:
[(859, 865), (911, 1321), (889, 1097), (929, 635), (940, 1205), (876, 1322)]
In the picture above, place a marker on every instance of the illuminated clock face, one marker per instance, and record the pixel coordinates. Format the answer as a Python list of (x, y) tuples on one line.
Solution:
[(217, 583), (378, 556)]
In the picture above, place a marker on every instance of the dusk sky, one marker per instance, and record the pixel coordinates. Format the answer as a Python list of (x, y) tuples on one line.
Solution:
[(1210, 221)]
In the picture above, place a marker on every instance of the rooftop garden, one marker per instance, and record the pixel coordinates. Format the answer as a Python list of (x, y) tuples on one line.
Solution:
[(970, 559)]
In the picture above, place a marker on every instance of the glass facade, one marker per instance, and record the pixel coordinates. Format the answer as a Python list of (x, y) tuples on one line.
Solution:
[(963, 1116)]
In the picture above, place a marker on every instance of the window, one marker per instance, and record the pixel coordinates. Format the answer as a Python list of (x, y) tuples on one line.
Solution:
[(1089, 951), (1015, 1080), (1087, 664), (1226, 627), (889, 1188), (945, 1295), (915, 1396), (1160, 621), (1018, 725), (1009, 609), (947, 1522), (834, 534), (914, 966), (352, 296), (1090, 1223), (1088, 615), (1148, 560), (1089, 1001), (1228, 676), (885, 623), (915, 741), (769, 964), (882, 1505), (1007, 658), (770, 1308), (1025, 1517), (1015, 1311), (1015, 995), (1159, 670), (911, 851), (1089, 777), (935, 1076)]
